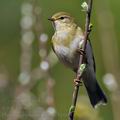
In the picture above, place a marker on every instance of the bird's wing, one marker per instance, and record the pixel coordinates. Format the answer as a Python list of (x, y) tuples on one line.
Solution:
[(90, 55)]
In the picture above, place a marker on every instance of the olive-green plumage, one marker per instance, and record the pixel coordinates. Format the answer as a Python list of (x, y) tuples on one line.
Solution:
[(67, 39)]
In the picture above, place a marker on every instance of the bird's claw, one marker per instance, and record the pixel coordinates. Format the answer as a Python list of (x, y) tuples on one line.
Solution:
[(77, 82), (81, 51)]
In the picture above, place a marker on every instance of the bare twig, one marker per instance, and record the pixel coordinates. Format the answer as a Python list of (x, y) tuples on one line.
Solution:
[(79, 72)]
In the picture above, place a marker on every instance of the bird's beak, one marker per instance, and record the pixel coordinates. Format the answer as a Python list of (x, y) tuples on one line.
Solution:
[(51, 19)]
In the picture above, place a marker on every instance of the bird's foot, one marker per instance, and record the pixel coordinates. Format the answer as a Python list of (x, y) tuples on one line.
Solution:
[(81, 51), (77, 82)]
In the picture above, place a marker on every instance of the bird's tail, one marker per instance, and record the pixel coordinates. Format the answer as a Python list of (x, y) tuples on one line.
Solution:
[(94, 91)]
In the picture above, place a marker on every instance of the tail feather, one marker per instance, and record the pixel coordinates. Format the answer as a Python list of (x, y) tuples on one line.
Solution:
[(94, 91)]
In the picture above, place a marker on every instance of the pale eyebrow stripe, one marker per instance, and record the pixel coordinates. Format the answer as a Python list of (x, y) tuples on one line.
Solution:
[(63, 17)]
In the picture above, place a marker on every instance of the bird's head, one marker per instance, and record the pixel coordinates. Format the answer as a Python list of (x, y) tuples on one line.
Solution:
[(61, 20)]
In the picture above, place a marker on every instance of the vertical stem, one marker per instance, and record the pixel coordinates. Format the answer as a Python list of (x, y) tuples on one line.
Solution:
[(79, 73)]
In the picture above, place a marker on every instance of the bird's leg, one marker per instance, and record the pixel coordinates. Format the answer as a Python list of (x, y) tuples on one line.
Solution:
[(81, 51), (77, 82)]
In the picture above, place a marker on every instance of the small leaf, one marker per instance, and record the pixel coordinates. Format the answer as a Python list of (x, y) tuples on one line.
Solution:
[(80, 44), (91, 25), (72, 109), (84, 6), (82, 67)]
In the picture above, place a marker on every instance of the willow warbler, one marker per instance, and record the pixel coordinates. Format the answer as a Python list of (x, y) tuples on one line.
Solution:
[(67, 39)]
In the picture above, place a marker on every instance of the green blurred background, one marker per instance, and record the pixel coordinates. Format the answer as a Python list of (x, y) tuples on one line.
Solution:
[(106, 46)]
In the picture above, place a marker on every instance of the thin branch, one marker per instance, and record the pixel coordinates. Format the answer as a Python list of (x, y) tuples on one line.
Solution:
[(79, 72)]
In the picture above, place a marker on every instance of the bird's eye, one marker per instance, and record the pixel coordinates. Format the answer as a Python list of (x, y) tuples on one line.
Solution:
[(61, 18)]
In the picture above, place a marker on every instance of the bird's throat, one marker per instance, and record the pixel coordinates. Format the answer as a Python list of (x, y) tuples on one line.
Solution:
[(64, 36)]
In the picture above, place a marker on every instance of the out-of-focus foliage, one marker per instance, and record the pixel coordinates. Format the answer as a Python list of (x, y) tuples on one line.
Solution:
[(33, 85), (84, 111)]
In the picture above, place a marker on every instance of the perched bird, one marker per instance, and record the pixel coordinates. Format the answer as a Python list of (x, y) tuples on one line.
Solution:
[(66, 40)]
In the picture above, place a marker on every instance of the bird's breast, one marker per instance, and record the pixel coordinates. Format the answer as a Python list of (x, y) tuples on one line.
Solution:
[(67, 54), (65, 44), (64, 54), (62, 51)]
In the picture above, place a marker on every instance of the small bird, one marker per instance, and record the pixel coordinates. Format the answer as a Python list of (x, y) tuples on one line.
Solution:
[(66, 40)]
